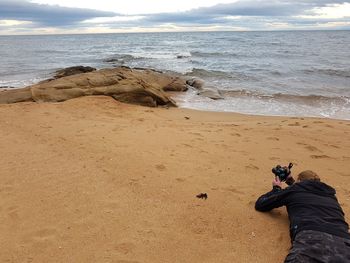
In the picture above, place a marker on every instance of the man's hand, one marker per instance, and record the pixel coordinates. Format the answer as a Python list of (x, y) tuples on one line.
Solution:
[(290, 180), (277, 182)]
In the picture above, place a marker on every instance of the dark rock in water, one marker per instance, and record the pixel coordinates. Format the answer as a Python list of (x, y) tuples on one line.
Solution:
[(46, 80), (151, 69), (114, 60), (204, 90), (210, 93), (72, 71), (195, 82)]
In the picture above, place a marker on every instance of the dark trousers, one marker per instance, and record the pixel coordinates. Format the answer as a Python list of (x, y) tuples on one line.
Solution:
[(317, 247)]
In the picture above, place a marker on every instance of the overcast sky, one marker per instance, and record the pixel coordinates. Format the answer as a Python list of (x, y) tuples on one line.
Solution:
[(107, 16)]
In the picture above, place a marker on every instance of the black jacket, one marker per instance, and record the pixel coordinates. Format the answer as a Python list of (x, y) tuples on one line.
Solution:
[(311, 205)]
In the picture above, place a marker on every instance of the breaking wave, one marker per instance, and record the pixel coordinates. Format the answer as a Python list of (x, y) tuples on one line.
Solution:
[(212, 54), (311, 100), (123, 58), (330, 72), (219, 75)]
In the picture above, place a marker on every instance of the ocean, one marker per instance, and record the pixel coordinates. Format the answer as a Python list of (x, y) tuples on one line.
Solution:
[(292, 73)]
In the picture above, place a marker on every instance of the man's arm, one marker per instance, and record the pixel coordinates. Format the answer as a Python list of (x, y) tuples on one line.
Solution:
[(272, 199)]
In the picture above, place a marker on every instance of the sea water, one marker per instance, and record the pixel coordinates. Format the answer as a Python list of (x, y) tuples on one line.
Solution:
[(292, 73)]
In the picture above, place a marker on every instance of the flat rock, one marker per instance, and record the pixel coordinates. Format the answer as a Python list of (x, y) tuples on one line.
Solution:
[(136, 86), (15, 95)]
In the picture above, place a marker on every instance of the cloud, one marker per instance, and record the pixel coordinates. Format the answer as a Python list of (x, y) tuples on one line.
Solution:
[(258, 14), (252, 8), (239, 15), (46, 15)]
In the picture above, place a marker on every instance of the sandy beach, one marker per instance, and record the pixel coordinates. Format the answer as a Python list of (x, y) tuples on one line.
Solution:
[(95, 180)]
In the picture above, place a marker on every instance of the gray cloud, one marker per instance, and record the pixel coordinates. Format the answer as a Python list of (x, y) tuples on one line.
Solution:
[(47, 15), (254, 14), (252, 8)]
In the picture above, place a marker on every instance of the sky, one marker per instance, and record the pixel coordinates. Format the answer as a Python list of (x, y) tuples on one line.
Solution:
[(19, 17)]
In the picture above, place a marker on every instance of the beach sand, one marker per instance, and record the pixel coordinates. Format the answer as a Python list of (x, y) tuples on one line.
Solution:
[(95, 180)]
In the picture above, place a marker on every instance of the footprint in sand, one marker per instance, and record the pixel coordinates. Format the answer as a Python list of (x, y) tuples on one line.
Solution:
[(42, 238), (196, 133), (251, 166), (124, 248), (126, 261), (332, 145), (111, 206), (346, 158), (160, 167), (251, 202), (45, 233), (233, 190), (320, 156), (273, 138), (6, 189), (312, 148), (180, 180), (13, 213), (294, 124)]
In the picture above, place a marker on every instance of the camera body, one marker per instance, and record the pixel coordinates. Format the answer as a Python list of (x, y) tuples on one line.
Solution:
[(282, 172)]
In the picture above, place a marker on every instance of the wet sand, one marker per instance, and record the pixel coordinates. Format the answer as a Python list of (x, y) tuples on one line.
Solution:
[(95, 180)]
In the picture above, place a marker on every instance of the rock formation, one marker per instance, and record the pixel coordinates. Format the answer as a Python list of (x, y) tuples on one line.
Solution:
[(72, 71), (138, 86), (203, 89)]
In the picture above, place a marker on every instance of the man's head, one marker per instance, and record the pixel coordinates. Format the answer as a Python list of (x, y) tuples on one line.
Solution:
[(308, 175)]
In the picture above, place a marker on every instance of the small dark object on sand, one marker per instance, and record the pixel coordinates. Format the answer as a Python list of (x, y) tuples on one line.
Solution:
[(187, 118), (202, 196)]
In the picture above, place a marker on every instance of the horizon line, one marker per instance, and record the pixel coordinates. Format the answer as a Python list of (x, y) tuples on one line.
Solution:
[(167, 32)]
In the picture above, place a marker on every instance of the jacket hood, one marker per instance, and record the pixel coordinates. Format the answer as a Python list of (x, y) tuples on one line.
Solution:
[(314, 186)]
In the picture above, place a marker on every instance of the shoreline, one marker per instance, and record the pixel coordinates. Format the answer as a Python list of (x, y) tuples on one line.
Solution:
[(268, 116), (93, 179)]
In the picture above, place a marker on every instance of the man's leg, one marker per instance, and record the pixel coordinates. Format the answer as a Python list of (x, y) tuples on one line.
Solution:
[(313, 246)]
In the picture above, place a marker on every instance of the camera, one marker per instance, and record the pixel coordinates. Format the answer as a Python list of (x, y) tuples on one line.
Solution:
[(282, 172)]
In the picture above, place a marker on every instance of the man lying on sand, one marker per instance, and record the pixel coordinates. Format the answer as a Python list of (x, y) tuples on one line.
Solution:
[(318, 229)]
